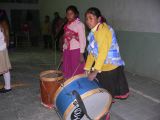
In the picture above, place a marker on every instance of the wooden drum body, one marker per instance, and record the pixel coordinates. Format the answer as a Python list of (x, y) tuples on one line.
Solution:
[(50, 81)]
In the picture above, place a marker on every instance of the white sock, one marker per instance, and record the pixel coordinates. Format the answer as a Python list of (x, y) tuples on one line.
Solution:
[(7, 80)]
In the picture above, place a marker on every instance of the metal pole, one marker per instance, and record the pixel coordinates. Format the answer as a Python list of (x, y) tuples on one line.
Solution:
[(55, 54)]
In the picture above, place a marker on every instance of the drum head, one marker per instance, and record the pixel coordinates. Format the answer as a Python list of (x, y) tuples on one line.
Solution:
[(97, 105), (51, 75)]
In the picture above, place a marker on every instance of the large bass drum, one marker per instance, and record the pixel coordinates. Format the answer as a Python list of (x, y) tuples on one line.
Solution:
[(97, 100)]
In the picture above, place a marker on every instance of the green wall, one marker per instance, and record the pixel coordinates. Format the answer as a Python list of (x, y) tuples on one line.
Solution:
[(137, 23), (141, 52)]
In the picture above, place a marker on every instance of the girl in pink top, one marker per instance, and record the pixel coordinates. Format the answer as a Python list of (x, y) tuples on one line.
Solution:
[(74, 44)]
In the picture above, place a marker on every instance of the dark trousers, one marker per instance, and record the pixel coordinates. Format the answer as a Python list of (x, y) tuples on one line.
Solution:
[(56, 44), (47, 41)]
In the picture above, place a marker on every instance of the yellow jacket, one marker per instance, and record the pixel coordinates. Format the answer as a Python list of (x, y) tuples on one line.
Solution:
[(103, 37)]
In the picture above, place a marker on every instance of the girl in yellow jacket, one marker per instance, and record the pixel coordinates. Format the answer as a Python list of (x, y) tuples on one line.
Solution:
[(104, 61)]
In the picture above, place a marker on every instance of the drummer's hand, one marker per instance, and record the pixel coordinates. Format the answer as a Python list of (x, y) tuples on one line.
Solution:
[(87, 72), (81, 58), (92, 75)]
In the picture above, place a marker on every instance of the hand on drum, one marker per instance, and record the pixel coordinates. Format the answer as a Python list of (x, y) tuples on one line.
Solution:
[(92, 75)]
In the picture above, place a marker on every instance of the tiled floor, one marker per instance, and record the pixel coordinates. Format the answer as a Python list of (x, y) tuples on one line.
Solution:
[(23, 102)]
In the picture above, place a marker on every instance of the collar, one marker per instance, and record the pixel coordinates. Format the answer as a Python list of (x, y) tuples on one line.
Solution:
[(70, 22), (95, 28)]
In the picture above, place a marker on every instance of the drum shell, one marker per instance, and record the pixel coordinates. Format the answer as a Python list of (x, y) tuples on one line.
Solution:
[(48, 87), (64, 100)]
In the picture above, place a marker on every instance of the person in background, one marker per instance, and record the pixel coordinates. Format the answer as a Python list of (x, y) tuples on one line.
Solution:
[(5, 65), (74, 44), (57, 30), (46, 31)]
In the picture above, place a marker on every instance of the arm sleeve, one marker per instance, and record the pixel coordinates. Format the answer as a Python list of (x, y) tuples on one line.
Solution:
[(105, 39), (89, 62), (82, 37)]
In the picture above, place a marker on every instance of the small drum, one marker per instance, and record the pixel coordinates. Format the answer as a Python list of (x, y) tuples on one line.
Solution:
[(49, 82), (97, 101)]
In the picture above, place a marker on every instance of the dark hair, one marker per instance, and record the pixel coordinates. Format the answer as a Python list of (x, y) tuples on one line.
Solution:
[(47, 16), (74, 9), (56, 14), (2, 15), (96, 12)]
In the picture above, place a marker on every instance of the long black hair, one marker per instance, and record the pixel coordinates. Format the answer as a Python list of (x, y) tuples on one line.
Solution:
[(74, 9), (96, 12), (2, 15)]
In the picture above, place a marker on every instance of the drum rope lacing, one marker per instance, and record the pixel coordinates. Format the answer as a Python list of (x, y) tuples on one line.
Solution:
[(62, 83)]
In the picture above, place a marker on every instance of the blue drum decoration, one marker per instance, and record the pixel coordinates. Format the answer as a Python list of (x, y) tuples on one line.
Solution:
[(97, 100)]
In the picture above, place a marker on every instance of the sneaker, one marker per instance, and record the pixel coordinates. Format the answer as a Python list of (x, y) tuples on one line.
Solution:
[(3, 90)]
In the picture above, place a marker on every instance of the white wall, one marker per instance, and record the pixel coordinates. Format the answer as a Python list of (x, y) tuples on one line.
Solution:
[(129, 15), (139, 47), (137, 23)]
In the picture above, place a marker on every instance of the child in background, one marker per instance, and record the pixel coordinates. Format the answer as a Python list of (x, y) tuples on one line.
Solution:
[(46, 31), (57, 30), (103, 51), (4, 59), (74, 44)]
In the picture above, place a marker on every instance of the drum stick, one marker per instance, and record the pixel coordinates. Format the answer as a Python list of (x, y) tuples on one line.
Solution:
[(55, 53), (76, 69), (59, 65)]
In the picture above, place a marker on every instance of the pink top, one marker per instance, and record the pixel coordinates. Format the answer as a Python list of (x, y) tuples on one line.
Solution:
[(74, 37)]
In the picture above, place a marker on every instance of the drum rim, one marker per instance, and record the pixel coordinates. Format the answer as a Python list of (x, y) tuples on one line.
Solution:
[(87, 94), (50, 79), (66, 83)]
